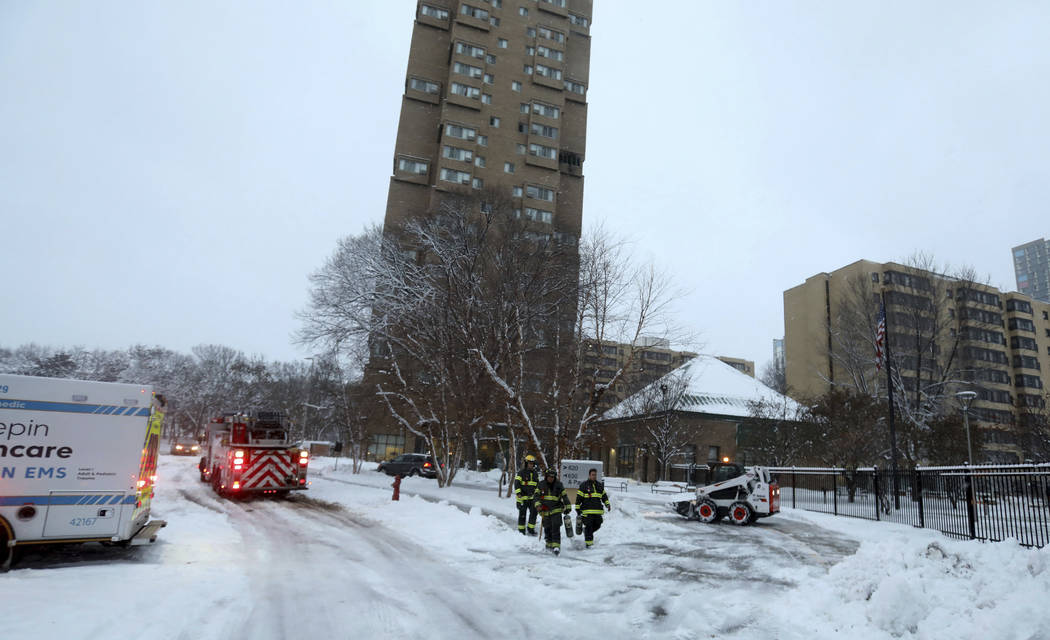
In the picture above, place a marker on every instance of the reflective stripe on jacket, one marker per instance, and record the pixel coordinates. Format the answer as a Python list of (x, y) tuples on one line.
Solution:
[(551, 496), (525, 484), (590, 498)]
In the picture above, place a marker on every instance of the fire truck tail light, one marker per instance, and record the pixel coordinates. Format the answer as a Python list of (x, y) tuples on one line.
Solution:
[(236, 485), (238, 453), (302, 480)]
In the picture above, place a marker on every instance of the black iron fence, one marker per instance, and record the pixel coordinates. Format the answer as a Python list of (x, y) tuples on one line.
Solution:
[(992, 502)]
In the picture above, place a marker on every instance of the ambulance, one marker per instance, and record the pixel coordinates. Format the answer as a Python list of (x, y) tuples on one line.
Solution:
[(78, 462)]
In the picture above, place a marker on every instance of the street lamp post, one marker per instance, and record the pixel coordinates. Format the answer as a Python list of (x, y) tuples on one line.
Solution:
[(966, 398)]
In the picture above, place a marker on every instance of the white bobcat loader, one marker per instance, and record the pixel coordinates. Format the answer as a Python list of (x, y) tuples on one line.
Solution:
[(729, 490)]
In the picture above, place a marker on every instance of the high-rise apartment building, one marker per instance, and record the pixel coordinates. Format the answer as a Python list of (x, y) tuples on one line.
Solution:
[(1032, 269), (992, 342), (651, 358), (496, 97)]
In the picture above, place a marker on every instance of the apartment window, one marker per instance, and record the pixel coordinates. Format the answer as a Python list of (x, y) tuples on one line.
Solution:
[(1023, 343), (546, 110), (467, 70), (451, 175), (486, 98), (530, 51), (494, 122), (408, 165), (516, 192), (508, 167), (1027, 362), (455, 153), (544, 152), (557, 3), (553, 54), (539, 193), (522, 128), (548, 72), (522, 11), (579, 21), (478, 183), (575, 87), (488, 79), (1022, 306), (550, 34), (501, 43), (474, 12), (1030, 382), (494, 21), (527, 69), (496, 4), (470, 50), (530, 32), (1045, 316), (425, 86), (483, 141), (479, 162), (463, 133), (465, 90), (539, 215), (545, 131), (515, 85), (490, 59), (1021, 324), (433, 12)]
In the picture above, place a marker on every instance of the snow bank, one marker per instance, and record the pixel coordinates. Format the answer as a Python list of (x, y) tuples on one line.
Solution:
[(925, 585)]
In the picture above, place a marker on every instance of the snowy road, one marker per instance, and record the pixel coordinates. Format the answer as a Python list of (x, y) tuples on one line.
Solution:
[(343, 561)]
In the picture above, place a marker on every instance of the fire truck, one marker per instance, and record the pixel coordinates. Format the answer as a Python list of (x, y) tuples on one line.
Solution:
[(250, 453)]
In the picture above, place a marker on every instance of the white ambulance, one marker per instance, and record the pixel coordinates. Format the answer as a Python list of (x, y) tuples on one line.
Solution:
[(78, 462)]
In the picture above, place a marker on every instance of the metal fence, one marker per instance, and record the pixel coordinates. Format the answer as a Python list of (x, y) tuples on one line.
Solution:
[(991, 502)]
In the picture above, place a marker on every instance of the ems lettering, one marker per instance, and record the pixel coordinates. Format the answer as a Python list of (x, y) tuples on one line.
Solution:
[(36, 473), (7, 472)]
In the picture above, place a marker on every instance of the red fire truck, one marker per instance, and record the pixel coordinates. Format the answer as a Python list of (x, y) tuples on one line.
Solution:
[(250, 453)]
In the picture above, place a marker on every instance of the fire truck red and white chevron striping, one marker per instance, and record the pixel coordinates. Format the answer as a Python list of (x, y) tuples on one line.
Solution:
[(251, 453)]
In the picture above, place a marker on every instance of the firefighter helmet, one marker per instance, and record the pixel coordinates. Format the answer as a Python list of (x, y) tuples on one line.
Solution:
[(551, 472), (530, 458)]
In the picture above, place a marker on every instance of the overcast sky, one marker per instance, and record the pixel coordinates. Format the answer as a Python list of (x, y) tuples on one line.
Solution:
[(170, 173)]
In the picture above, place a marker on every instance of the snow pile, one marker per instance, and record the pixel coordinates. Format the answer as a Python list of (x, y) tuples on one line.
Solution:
[(930, 587)]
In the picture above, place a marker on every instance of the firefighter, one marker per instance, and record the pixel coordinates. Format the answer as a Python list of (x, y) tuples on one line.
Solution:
[(524, 491), (589, 500), (551, 501)]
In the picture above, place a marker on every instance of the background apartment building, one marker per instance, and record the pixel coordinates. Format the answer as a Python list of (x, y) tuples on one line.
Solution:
[(992, 342), (652, 358), (1032, 269), (496, 97)]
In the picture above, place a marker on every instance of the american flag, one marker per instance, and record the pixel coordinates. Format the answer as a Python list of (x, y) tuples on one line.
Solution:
[(880, 338)]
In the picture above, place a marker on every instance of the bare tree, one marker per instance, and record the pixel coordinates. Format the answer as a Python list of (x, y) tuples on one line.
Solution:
[(779, 432)]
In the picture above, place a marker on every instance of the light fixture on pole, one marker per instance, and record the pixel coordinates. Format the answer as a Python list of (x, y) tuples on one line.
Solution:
[(966, 398)]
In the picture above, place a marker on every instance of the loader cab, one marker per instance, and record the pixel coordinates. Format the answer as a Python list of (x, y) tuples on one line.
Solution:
[(722, 471)]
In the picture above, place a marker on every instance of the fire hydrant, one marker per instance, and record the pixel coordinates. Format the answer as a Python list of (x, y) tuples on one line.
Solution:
[(397, 487)]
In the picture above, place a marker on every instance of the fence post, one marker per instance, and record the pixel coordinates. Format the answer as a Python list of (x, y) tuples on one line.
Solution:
[(794, 486), (878, 492), (835, 492), (971, 516), (918, 492)]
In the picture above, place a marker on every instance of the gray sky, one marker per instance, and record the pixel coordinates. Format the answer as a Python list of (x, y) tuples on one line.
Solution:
[(170, 173)]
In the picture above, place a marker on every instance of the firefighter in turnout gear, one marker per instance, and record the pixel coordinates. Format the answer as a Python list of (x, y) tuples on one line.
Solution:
[(551, 502), (589, 501), (525, 484)]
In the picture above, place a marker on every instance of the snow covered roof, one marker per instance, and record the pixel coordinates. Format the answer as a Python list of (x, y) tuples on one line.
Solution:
[(712, 387)]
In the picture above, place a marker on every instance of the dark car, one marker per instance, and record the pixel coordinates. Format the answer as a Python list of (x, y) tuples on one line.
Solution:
[(409, 464), (185, 448)]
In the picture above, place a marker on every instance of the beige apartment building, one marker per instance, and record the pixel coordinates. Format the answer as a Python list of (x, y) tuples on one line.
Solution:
[(995, 343), (496, 98), (652, 358)]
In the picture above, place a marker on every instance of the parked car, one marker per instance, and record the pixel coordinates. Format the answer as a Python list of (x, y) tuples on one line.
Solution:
[(185, 448), (410, 464)]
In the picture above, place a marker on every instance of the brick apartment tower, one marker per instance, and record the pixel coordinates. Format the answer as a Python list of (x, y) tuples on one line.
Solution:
[(496, 97)]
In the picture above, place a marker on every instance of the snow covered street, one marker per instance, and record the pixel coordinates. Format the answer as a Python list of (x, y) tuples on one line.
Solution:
[(344, 561)]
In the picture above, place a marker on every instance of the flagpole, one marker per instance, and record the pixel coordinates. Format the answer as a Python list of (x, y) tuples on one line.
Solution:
[(889, 393)]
